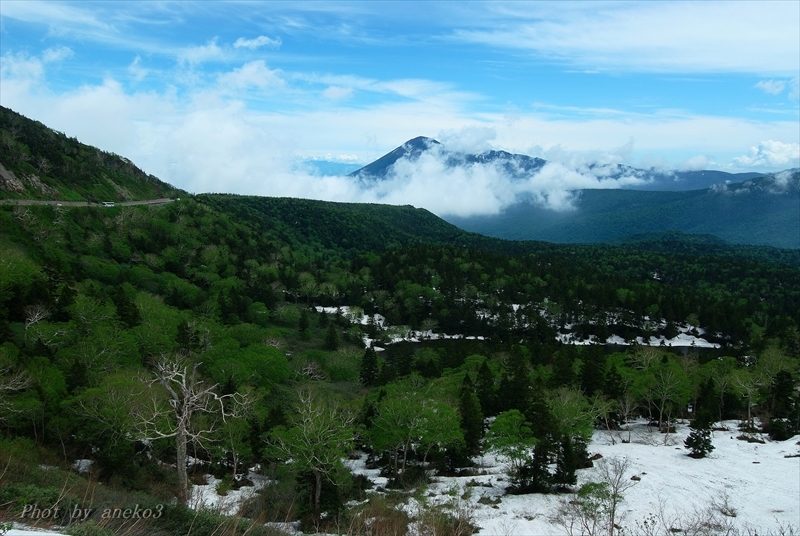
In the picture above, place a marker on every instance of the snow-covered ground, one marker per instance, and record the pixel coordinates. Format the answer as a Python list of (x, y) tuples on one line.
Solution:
[(761, 484), (205, 496), (25, 530), (688, 335)]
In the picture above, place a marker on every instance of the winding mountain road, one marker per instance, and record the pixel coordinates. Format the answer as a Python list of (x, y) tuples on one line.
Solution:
[(84, 203)]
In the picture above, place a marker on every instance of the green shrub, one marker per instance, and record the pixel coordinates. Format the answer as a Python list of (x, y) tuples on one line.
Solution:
[(89, 528)]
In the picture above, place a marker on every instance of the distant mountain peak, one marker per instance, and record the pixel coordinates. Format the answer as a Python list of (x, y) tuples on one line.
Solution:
[(411, 149), (420, 142), (516, 165), (521, 167)]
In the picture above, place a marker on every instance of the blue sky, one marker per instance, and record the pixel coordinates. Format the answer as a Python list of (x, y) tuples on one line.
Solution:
[(235, 96)]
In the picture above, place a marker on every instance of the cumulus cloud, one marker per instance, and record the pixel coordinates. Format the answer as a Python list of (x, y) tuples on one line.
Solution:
[(471, 139), (193, 55), (20, 68), (258, 42), (203, 137), (771, 153), (254, 74), (773, 87), (56, 54)]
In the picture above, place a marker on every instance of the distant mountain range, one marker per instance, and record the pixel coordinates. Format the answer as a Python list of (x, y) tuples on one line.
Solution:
[(743, 208), (763, 211), (520, 166), (37, 162)]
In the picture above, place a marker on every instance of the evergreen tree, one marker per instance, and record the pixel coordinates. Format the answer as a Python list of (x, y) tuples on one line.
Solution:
[(699, 440), (534, 476), (369, 367), (332, 338), (127, 311), (785, 411), (563, 373), (613, 387), (592, 379), (705, 405), (543, 424), (187, 338), (566, 463), (323, 319), (515, 386), (471, 417), (302, 324), (485, 390)]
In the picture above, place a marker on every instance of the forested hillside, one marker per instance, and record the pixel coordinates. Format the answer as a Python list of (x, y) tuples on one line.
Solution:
[(320, 363), (761, 211), (37, 162), (106, 314)]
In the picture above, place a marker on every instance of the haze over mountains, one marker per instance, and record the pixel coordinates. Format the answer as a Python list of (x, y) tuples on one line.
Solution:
[(618, 200)]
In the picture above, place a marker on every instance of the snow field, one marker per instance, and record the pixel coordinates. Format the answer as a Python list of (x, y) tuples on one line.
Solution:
[(756, 481)]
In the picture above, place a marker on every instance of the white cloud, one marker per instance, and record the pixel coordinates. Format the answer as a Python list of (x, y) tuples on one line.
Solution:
[(253, 74), (794, 89), (695, 163), (55, 54), (773, 87), (782, 178), (771, 153), (204, 139), (20, 68), (750, 37), (337, 93), (193, 55), (471, 139), (482, 188), (56, 14), (258, 42), (136, 70)]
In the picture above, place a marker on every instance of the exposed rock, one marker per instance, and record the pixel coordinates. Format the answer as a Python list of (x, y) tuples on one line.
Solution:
[(9, 182)]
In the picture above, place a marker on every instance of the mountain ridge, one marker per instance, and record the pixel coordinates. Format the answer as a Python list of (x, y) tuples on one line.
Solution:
[(520, 166), (38, 162), (753, 212), (757, 209)]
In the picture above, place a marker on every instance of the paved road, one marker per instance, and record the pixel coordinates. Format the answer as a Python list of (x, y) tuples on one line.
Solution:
[(83, 203)]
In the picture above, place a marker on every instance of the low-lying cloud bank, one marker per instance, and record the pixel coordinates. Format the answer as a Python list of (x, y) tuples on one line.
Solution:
[(483, 188)]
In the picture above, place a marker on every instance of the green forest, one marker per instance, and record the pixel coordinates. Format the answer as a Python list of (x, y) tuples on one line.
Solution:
[(138, 336), (218, 333)]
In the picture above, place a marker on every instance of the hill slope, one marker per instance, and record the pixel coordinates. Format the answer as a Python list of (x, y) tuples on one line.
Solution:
[(763, 211), (353, 227), (40, 163)]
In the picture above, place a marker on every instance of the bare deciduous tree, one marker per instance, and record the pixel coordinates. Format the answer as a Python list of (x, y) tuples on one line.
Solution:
[(42, 165), (35, 313), (612, 472), (174, 415), (10, 382)]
